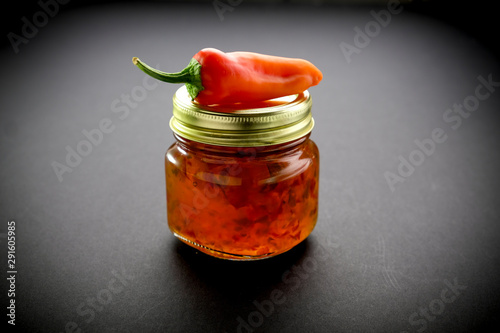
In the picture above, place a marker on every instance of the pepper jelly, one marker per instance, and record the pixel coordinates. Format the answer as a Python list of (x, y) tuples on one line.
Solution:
[(242, 181)]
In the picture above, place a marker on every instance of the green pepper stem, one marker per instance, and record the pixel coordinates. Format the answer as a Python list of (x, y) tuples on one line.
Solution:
[(190, 75)]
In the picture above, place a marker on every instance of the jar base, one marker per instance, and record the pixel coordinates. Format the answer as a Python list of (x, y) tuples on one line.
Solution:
[(225, 255)]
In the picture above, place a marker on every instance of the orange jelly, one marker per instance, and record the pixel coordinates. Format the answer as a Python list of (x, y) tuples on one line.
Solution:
[(242, 184)]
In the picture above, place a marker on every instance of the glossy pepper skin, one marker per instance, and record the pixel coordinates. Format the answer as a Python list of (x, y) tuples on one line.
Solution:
[(215, 77)]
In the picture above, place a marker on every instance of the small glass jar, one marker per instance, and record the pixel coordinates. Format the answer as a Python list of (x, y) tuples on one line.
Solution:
[(242, 182)]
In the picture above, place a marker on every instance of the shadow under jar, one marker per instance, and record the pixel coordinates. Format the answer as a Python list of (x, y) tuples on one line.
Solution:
[(242, 181)]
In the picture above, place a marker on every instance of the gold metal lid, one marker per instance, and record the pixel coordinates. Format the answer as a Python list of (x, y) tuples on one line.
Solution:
[(247, 125)]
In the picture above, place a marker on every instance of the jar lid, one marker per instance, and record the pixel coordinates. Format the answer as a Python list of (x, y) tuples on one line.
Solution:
[(265, 123)]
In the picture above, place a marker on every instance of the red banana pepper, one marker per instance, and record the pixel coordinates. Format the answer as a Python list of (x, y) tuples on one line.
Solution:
[(215, 77)]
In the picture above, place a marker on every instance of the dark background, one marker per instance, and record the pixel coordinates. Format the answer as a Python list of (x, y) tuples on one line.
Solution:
[(376, 257), (475, 19)]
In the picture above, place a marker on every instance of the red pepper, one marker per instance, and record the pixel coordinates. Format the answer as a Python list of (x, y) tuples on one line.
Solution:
[(215, 77)]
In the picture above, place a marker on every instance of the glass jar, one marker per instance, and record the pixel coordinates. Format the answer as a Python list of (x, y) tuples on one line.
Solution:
[(242, 182)]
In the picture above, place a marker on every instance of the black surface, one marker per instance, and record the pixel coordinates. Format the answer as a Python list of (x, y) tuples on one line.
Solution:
[(375, 258)]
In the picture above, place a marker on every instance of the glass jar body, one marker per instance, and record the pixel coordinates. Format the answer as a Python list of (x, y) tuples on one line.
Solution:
[(242, 203)]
